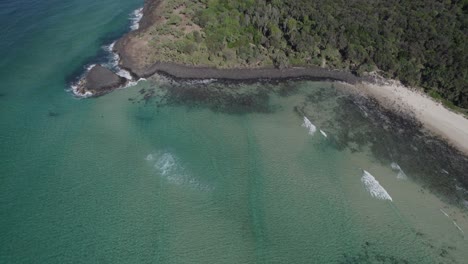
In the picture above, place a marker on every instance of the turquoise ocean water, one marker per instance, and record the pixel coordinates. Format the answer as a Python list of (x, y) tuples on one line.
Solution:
[(203, 171)]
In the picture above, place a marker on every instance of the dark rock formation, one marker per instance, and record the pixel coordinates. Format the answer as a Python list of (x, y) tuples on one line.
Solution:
[(100, 80)]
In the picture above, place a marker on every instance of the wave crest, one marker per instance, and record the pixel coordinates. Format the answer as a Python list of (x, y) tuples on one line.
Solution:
[(373, 186), (307, 124), (401, 174), (135, 18), (170, 168)]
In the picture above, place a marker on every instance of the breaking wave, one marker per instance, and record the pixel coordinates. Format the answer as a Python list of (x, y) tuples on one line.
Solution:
[(323, 133), (170, 169), (458, 227), (401, 174), (111, 61), (112, 57), (307, 124), (135, 18), (445, 213), (373, 186), (75, 85)]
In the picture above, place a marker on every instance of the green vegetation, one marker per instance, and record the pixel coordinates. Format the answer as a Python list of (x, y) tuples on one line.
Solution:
[(421, 42)]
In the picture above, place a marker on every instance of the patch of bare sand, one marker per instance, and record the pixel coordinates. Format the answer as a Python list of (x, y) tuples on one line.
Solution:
[(449, 125)]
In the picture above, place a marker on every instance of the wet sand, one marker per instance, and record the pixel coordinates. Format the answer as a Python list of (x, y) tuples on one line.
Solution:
[(447, 124)]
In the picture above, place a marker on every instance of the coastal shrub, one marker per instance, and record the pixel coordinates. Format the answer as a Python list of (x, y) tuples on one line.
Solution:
[(174, 20), (229, 55), (197, 37), (402, 38), (189, 48), (280, 60), (421, 42), (214, 42)]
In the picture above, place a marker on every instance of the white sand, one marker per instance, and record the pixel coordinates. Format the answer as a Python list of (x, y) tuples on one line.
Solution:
[(434, 116)]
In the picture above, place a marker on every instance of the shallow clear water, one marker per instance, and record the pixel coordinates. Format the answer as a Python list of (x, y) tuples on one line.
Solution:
[(205, 172)]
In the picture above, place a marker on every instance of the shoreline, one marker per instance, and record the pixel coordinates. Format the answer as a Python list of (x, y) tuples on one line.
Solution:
[(186, 72), (131, 60), (450, 126), (434, 117), (122, 52)]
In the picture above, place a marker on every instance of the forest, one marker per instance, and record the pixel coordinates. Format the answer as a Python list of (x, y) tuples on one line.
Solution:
[(422, 43)]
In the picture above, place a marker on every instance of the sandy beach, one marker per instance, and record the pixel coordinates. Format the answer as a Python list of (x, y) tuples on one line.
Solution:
[(449, 125)]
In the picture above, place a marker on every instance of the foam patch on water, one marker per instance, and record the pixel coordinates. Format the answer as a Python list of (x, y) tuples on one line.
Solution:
[(203, 81), (75, 85), (124, 73), (170, 168), (112, 61), (458, 227), (113, 64), (307, 124), (401, 174), (373, 186), (323, 133), (77, 93), (135, 18), (112, 57), (90, 67), (444, 213)]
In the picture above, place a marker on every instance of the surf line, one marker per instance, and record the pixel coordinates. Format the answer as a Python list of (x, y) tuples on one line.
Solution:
[(444, 213), (111, 62), (454, 223), (373, 187), (459, 228), (312, 128)]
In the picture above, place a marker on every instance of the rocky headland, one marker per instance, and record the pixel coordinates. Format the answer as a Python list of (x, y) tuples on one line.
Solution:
[(98, 81), (145, 51), (137, 56)]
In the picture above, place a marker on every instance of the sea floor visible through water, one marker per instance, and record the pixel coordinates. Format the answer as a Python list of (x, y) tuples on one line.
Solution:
[(304, 171), (206, 171)]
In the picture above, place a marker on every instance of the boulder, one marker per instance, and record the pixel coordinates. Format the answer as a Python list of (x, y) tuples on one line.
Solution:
[(100, 80)]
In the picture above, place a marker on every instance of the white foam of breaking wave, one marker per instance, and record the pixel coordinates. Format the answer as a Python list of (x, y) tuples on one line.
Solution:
[(124, 73), (74, 86), (444, 213), (113, 58), (307, 124), (77, 93), (131, 83), (90, 67), (458, 227), (324, 134), (112, 62), (373, 187), (135, 17), (401, 174), (149, 157), (165, 164), (170, 169), (202, 81)]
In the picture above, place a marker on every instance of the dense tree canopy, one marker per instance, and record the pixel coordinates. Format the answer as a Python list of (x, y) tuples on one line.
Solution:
[(420, 42)]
